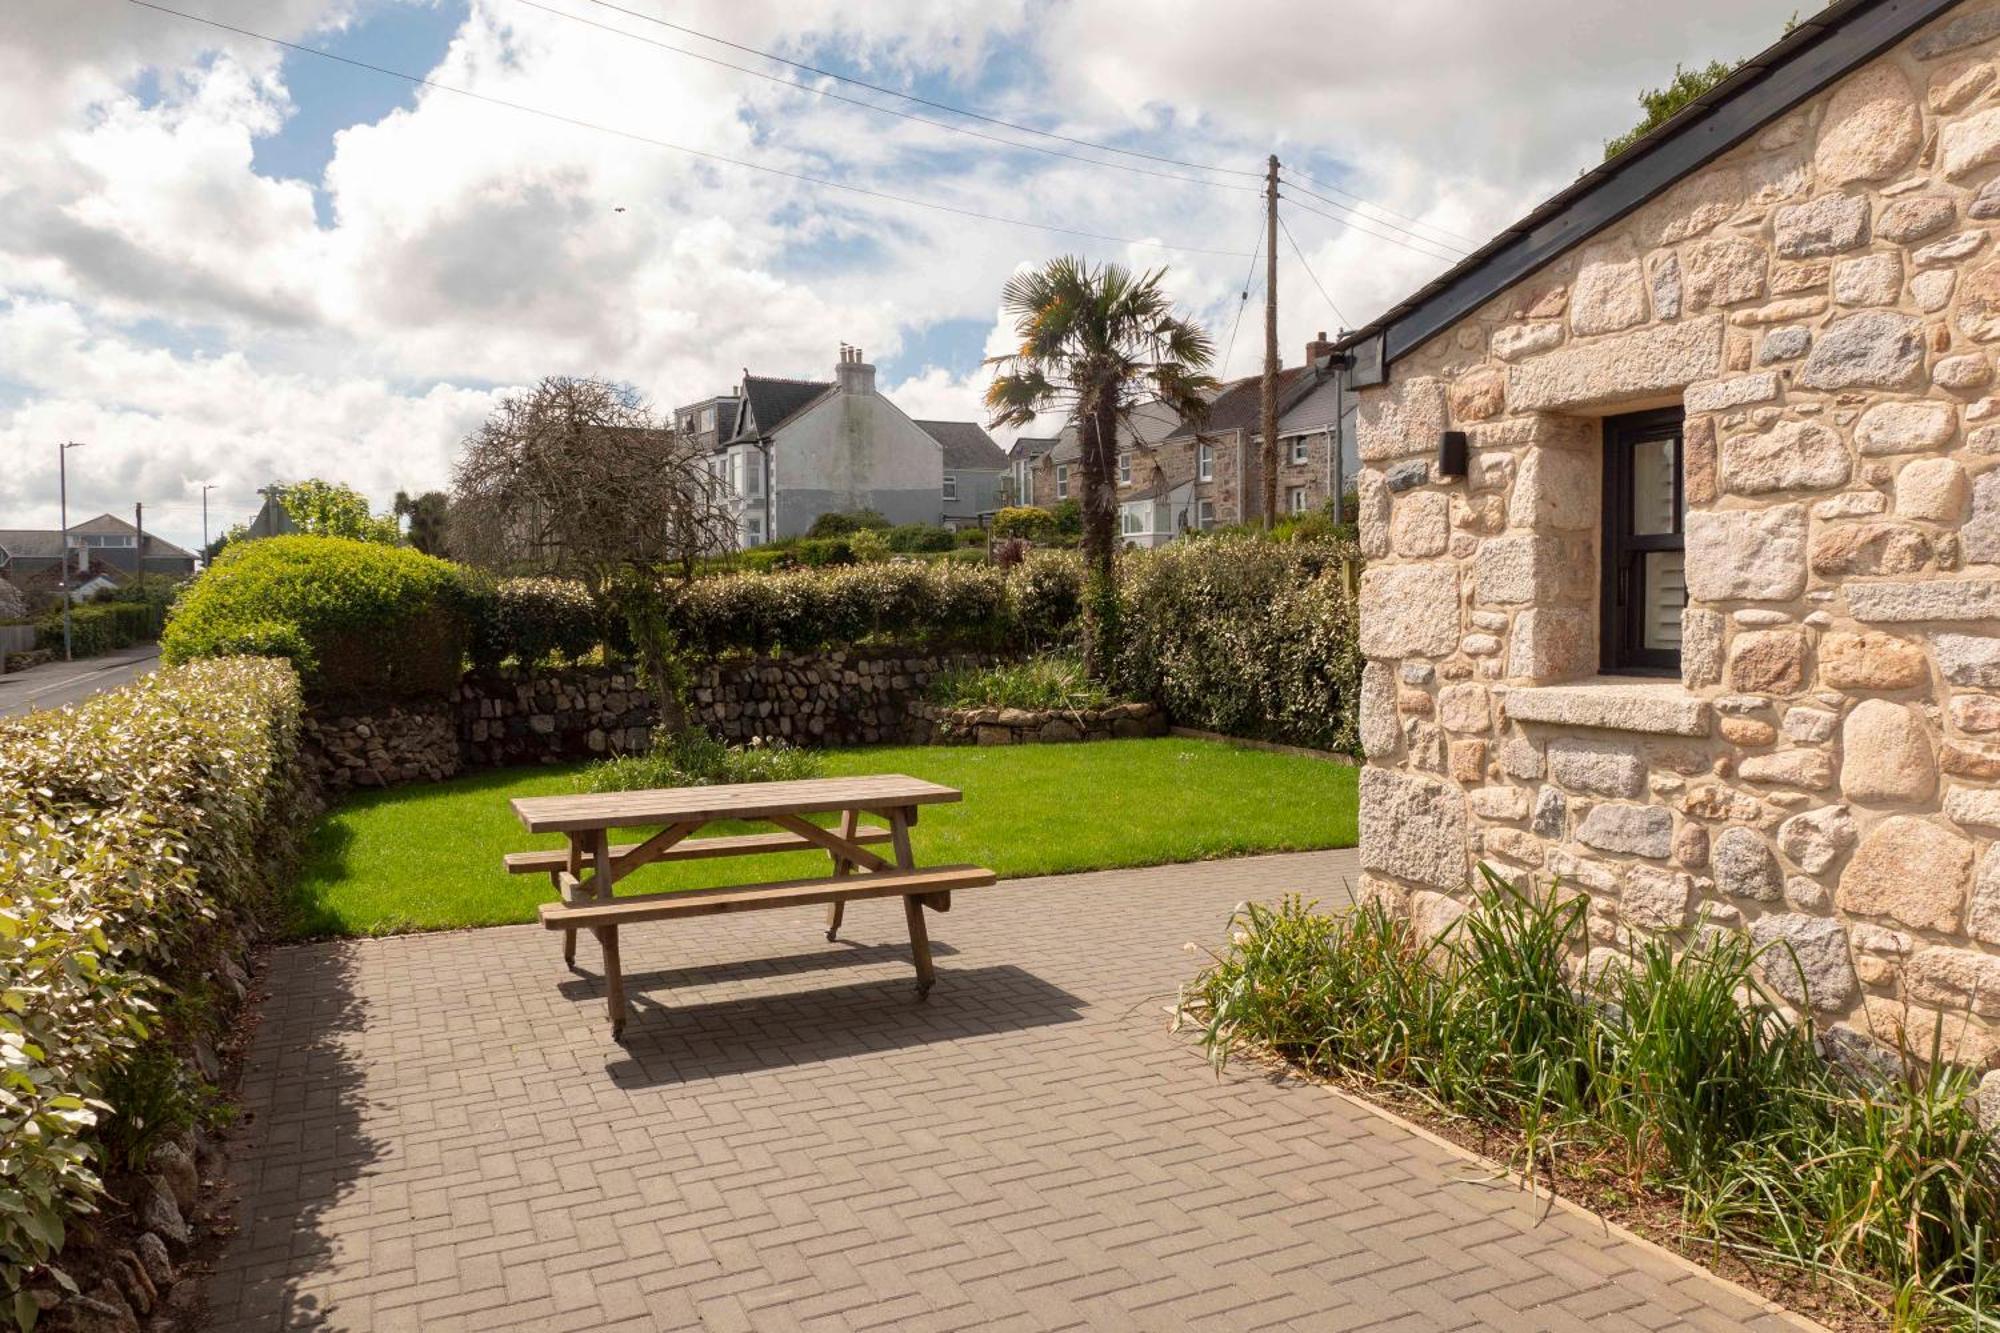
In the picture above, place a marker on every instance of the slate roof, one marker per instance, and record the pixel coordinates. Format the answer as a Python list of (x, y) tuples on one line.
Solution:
[(1813, 56), (31, 543), (967, 446), (773, 402), (1240, 405), (1032, 446)]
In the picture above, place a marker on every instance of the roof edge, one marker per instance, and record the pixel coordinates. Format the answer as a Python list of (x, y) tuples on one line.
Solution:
[(1804, 62)]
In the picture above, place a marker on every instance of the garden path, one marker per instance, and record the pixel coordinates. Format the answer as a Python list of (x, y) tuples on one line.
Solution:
[(440, 1135)]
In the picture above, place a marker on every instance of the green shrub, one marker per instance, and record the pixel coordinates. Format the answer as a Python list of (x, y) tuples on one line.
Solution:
[(99, 627), (1025, 521), (801, 610), (128, 823), (1046, 589), (820, 552), (694, 758), (1245, 636), (1680, 1075), (870, 546), (846, 525), (970, 537), (1055, 681), (914, 538), (369, 620), (532, 621)]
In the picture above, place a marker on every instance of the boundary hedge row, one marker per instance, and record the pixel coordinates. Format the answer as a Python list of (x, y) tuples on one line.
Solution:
[(128, 825)]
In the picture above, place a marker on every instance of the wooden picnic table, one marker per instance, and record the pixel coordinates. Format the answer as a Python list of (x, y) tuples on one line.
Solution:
[(587, 902)]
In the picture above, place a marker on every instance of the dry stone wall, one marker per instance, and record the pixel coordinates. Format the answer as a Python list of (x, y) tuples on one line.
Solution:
[(1824, 303), (935, 724), (512, 717)]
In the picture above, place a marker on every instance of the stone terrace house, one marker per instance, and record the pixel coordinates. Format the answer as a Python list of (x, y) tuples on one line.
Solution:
[(1022, 456), (1706, 618), (1056, 474)]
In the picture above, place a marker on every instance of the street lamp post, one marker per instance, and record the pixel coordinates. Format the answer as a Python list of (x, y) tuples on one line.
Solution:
[(62, 486), (206, 487)]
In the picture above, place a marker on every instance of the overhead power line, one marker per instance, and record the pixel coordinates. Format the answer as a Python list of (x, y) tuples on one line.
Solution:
[(1244, 303), (1437, 252), (1350, 209), (797, 85), (1369, 203), (1309, 271), (579, 123), (922, 101)]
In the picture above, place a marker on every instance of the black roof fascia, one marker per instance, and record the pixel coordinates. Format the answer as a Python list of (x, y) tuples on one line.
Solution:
[(1806, 60)]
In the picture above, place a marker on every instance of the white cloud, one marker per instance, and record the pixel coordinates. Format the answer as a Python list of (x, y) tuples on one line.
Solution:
[(195, 320)]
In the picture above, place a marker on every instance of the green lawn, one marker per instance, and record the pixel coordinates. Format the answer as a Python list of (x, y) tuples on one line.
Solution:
[(428, 857)]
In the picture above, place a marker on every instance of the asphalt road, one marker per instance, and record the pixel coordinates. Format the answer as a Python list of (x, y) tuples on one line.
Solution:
[(57, 683)]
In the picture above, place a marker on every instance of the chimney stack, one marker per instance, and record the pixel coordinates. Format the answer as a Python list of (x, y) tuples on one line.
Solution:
[(853, 375), (1318, 347)]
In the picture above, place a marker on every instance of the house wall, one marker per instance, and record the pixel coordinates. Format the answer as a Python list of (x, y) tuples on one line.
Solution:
[(978, 493), (855, 451), (1824, 301)]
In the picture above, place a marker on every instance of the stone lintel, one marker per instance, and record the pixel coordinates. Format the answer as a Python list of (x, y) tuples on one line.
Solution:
[(1657, 709)]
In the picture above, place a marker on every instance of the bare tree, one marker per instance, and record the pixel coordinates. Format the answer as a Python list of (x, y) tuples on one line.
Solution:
[(576, 478)]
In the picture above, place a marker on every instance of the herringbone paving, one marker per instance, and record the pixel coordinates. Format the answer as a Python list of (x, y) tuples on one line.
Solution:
[(441, 1135)]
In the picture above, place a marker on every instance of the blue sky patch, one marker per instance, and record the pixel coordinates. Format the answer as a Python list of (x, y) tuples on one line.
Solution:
[(328, 97)]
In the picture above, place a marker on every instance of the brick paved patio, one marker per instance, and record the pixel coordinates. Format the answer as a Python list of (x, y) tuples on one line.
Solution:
[(443, 1137)]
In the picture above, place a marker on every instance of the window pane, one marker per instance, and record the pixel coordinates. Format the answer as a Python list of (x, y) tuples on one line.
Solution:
[(1663, 597), (1654, 465)]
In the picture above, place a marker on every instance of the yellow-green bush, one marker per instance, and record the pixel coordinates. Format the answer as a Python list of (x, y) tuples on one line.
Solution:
[(127, 824), (1245, 636), (358, 619)]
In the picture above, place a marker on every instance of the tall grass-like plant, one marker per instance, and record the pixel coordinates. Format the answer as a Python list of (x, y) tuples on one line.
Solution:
[(1050, 682), (1676, 1064)]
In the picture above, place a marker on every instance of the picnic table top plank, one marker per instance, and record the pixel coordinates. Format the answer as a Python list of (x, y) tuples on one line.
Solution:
[(752, 800)]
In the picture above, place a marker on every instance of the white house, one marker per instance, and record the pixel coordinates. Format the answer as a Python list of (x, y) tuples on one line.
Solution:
[(790, 450)]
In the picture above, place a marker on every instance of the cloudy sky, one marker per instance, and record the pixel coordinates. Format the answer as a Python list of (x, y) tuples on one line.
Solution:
[(227, 261)]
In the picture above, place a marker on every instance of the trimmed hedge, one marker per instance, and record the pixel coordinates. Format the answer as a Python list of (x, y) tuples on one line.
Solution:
[(99, 627), (939, 604), (358, 619), (128, 825), (1245, 636), (532, 620)]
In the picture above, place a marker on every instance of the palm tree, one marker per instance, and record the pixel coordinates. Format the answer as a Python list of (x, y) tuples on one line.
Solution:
[(1096, 341)]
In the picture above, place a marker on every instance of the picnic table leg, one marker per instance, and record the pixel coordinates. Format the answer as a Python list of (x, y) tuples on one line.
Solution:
[(576, 872), (850, 824), (913, 907), (607, 936)]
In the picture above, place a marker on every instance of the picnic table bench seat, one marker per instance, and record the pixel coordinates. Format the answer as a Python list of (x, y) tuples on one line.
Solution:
[(587, 903)]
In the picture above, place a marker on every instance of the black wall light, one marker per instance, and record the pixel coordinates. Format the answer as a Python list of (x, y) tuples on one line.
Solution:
[(1451, 454)]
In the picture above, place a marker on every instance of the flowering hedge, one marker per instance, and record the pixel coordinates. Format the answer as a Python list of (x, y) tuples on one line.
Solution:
[(1245, 636), (532, 620), (929, 604), (127, 825)]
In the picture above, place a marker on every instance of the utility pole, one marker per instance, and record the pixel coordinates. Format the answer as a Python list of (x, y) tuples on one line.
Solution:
[(62, 484), (139, 552), (206, 487), (1267, 452)]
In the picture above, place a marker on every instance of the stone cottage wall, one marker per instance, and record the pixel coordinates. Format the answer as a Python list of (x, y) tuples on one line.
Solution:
[(1824, 301)]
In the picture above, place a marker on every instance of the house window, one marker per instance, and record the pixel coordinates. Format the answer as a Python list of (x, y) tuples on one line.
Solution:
[(1132, 521), (1124, 468), (1645, 584), (1206, 515), (750, 475), (107, 540), (1062, 481), (1204, 466), (1295, 499), (951, 485), (708, 418), (753, 530), (1300, 454)]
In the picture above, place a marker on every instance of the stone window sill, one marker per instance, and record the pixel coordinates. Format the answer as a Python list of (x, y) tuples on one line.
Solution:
[(1613, 703)]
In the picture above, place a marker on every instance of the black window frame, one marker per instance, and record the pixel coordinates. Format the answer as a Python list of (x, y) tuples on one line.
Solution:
[(1621, 633)]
